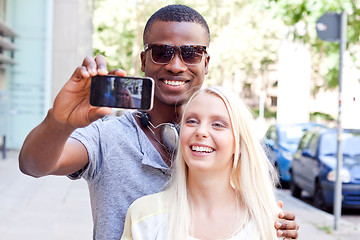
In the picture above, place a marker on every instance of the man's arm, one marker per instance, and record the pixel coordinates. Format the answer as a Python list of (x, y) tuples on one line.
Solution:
[(47, 149)]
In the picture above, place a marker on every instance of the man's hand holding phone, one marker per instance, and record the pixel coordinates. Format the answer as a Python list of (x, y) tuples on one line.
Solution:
[(71, 106)]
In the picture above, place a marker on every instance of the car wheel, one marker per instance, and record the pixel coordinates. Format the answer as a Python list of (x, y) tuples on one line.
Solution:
[(295, 190), (318, 199)]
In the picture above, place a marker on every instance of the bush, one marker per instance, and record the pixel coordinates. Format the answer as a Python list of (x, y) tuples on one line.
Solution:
[(268, 114), (314, 116)]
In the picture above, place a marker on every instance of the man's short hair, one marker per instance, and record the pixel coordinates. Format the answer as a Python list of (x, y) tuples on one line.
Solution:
[(176, 13)]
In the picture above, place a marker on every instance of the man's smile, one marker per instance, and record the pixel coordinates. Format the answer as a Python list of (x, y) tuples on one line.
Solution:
[(174, 83)]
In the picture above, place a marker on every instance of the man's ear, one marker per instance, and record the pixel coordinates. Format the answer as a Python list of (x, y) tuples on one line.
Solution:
[(207, 60), (143, 60)]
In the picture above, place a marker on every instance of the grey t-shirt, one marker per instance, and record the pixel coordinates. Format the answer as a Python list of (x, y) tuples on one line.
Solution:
[(123, 166)]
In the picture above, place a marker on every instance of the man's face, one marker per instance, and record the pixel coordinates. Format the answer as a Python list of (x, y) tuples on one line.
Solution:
[(175, 81)]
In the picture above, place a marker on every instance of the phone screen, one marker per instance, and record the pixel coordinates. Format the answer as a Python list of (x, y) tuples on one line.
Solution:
[(122, 92)]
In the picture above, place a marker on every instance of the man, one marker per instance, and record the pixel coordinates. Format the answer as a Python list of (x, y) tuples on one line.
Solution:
[(124, 158)]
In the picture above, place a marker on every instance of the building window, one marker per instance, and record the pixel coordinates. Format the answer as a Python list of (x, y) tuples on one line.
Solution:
[(7, 36), (2, 10), (273, 101)]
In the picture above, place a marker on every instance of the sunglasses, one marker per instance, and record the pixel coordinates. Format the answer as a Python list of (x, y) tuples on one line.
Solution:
[(164, 53)]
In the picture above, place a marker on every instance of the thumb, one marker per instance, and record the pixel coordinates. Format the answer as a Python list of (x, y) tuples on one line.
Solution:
[(99, 113), (280, 204)]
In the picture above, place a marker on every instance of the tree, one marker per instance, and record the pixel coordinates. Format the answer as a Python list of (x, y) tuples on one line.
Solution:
[(301, 17), (244, 37)]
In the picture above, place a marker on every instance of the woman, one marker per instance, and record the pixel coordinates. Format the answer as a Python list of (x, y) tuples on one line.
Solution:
[(123, 98), (222, 187)]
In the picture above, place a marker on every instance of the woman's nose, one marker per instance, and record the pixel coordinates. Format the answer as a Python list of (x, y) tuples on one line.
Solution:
[(202, 131)]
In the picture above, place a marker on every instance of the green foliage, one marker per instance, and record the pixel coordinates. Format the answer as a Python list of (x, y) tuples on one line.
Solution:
[(243, 40), (245, 35), (301, 17), (325, 228), (268, 114), (314, 116)]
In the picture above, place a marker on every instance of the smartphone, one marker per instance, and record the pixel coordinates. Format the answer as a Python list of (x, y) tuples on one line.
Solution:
[(122, 92)]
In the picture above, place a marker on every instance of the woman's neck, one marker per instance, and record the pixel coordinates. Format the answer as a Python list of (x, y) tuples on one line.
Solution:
[(210, 192), (215, 206)]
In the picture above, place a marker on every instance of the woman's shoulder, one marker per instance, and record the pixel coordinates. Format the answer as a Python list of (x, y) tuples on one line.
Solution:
[(146, 218), (146, 206)]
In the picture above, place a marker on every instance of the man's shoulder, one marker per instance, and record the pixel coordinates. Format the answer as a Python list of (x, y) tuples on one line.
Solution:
[(111, 123)]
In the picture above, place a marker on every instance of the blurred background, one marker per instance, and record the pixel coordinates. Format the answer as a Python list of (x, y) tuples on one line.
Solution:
[(267, 51)]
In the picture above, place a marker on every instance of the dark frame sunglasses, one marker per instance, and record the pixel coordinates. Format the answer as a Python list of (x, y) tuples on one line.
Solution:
[(164, 53)]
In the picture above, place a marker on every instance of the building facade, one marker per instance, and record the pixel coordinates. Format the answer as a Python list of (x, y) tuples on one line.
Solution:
[(41, 44)]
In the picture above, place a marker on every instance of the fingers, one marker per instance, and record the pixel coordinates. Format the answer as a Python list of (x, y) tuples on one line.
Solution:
[(95, 66), (280, 204), (287, 234), (118, 72), (101, 65), (286, 215), (287, 229), (90, 68), (80, 73)]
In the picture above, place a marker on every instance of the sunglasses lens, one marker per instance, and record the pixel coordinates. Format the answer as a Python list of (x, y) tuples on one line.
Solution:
[(191, 54), (162, 53)]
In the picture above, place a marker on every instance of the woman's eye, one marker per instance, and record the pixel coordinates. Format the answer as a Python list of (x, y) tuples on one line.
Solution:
[(219, 125), (191, 121)]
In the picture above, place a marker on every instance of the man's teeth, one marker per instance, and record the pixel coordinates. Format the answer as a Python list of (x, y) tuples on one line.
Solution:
[(201, 149), (174, 83)]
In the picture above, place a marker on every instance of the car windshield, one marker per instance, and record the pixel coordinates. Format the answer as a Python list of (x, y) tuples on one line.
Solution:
[(291, 134), (350, 143)]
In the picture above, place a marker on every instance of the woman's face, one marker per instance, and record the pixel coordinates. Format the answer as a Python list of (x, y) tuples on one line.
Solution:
[(125, 95), (207, 140)]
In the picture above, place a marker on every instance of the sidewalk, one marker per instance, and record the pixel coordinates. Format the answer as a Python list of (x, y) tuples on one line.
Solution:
[(57, 208), (317, 224), (50, 208)]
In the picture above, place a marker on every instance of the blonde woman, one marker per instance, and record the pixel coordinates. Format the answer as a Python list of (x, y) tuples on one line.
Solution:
[(222, 187)]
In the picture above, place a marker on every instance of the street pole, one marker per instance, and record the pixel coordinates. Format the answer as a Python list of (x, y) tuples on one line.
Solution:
[(338, 181)]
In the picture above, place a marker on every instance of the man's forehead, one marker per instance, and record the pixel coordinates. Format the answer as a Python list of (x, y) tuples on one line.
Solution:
[(171, 28)]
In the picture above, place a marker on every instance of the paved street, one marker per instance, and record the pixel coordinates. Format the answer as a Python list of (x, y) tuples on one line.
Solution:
[(57, 208)]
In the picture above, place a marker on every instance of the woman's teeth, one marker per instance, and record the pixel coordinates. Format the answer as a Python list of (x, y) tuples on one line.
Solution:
[(201, 149)]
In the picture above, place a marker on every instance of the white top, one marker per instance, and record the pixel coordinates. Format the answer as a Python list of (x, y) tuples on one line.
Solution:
[(147, 219)]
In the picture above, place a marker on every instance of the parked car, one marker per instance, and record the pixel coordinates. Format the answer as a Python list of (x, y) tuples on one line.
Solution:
[(280, 143), (313, 168)]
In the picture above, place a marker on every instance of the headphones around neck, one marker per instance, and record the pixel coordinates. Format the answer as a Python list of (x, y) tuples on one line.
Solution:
[(169, 131)]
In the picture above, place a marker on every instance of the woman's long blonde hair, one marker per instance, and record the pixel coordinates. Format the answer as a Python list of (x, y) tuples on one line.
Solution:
[(252, 176)]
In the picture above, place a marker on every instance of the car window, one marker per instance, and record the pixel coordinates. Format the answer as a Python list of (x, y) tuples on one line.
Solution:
[(351, 144), (304, 142), (313, 144), (291, 134), (271, 133), (328, 145)]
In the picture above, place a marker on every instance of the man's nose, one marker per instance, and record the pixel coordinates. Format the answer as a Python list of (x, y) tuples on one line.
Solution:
[(176, 65)]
